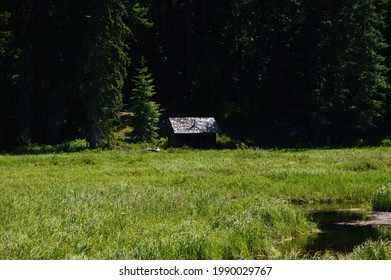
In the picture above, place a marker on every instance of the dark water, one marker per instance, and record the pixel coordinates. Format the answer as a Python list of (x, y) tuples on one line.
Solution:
[(337, 236)]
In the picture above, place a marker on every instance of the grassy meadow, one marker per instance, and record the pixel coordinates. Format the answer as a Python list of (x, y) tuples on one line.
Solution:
[(174, 204)]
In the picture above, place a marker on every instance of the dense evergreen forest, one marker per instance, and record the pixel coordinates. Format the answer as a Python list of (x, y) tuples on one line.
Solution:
[(283, 72)]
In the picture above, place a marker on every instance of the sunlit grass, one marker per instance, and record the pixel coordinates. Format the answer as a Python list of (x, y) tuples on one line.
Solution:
[(176, 204), (369, 250), (372, 250), (382, 199)]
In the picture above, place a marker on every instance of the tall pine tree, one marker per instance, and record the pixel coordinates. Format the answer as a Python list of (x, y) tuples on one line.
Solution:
[(104, 57), (24, 111), (339, 71), (5, 69), (364, 69), (146, 112)]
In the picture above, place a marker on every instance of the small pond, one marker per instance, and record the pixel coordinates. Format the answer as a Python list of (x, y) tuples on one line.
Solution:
[(342, 228)]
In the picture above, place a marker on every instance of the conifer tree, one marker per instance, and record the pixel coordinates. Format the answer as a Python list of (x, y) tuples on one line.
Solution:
[(103, 68), (340, 79), (5, 36), (366, 71), (24, 111), (146, 111)]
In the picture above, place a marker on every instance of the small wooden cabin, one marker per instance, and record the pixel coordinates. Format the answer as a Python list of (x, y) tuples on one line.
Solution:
[(192, 132)]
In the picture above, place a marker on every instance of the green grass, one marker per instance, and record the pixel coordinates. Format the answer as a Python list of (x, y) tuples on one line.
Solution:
[(175, 204), (372, 250), (382, 199), (369, 250)]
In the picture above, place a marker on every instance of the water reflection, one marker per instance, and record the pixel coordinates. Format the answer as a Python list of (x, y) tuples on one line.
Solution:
[(337, 232)]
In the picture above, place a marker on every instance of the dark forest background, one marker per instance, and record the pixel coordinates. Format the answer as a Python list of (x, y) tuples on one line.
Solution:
[(278, 73)]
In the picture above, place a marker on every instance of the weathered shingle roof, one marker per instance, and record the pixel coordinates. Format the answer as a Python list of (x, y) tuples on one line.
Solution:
[(192, 125)]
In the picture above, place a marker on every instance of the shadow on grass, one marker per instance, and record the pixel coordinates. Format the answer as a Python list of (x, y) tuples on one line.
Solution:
[(34, 149)]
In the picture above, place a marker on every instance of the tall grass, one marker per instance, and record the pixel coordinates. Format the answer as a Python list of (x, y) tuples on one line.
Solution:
[(125, 221), (176, 204), (369, 250), (382, 199), (372, 250)]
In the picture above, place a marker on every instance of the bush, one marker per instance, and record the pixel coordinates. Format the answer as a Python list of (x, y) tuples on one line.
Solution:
[(72, 146), (225, 142), (385, 142)]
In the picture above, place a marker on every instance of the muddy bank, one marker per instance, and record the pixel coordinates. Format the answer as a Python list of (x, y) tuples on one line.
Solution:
[(374, 219)]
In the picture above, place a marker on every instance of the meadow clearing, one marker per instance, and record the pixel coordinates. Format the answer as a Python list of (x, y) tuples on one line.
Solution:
[(177, 203)]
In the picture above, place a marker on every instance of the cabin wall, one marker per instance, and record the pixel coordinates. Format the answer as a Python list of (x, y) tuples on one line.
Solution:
[(201, 140)]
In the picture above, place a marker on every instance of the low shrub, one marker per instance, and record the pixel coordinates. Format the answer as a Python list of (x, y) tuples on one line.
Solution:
[(72, 146), (385, 142), (225, 142)]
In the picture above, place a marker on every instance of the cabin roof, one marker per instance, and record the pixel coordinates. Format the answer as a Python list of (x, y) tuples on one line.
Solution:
[(194, 125)]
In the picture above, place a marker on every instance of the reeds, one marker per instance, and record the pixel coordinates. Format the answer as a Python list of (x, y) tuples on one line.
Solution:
[(372, 250), (381, 200)]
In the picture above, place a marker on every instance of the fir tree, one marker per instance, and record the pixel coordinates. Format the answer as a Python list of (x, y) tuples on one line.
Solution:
[(4, 35), (5, 57), (146, 112), (102, 68)]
